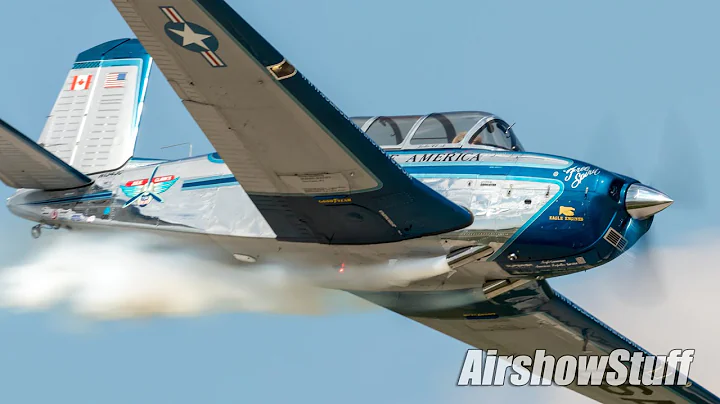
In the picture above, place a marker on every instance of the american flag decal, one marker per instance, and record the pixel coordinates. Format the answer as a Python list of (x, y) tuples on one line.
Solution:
[(115, 80), (192, 36)]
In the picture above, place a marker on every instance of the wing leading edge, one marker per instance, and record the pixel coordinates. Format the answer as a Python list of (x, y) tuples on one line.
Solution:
[(312, 173), (531, 317)]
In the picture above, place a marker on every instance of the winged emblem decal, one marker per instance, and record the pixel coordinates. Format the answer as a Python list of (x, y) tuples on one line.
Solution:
[(143, 191)]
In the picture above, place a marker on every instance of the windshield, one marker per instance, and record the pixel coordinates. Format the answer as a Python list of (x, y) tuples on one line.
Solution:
[(360, 120), (445, 128), (495, 133), (391, 131), (439, 130)]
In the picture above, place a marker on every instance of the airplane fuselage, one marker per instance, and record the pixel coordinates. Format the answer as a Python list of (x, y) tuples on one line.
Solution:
[(535, 215)]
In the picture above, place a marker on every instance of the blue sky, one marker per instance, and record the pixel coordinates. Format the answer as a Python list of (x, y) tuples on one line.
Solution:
[(599, 81)]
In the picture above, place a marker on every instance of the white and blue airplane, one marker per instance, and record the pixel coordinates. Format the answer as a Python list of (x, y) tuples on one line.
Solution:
[(294, 180)]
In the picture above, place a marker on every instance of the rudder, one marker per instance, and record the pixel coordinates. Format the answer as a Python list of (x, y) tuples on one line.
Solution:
[(94, 123)]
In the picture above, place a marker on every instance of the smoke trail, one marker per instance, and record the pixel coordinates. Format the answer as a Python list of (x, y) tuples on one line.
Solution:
[(684, 316), (107, 276), (120, 275)]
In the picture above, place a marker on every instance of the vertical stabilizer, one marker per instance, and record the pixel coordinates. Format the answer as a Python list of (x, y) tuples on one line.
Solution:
[(94, 123)]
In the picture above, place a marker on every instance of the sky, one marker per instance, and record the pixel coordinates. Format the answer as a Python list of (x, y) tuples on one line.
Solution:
[(630, 86)]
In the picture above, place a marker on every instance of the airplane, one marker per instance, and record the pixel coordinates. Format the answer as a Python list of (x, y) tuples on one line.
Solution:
[(293, 179)]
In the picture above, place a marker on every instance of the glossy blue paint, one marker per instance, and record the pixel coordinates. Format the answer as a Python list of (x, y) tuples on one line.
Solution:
[(583, 187), (579, 244), (123, 48), (550, 243), (554, 244), (97, 52), (209, 182), (215, 158), (565, 161)]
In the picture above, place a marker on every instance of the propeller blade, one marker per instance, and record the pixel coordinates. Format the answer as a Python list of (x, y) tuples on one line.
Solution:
[(680, 154), (678, 151), (604, 151), (155, 196), (642, 282), (133, 199)]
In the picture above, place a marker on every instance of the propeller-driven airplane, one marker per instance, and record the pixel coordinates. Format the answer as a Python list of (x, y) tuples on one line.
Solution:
[(296, 180)]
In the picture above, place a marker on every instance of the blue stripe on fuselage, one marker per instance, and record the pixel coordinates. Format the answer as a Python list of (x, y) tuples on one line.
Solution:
[(209, 182), (77, 198), (415, 169), (442, 162)]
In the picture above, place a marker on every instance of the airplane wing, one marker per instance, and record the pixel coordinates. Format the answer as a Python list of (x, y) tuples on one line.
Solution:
[(531, 317), (26, 164), (311, 172)]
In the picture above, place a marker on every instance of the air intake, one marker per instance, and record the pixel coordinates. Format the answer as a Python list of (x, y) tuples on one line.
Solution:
[(616, 239)]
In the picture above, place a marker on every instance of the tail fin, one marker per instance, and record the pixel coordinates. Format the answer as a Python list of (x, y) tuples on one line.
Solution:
[(94, 123)]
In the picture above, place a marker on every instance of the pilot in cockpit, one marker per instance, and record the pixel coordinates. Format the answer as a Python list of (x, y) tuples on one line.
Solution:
[(478, 139), (459, 137), (475, 140)]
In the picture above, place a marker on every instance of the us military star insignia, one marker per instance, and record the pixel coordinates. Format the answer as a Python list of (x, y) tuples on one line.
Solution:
[(192, 37)]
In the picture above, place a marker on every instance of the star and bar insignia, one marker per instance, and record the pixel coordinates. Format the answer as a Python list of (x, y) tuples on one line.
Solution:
[(192, 37)]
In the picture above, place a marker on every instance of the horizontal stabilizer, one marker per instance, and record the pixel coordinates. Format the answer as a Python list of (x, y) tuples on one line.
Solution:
[(25, 164)]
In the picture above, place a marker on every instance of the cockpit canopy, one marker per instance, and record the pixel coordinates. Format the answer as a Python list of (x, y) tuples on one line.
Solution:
[(440, 130)]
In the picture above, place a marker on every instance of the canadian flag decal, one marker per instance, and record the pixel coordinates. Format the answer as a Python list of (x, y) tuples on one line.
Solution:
[(80, 83)]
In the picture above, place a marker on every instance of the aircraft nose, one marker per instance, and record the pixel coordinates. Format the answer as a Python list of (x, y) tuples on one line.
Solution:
[(642, 201)]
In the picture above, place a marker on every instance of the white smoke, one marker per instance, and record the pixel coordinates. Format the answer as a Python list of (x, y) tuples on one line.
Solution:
[(668, 305), (134, 275), (124, 275)]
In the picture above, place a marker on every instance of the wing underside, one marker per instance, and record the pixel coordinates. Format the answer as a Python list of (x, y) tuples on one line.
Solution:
[(25, 164), (311, 172), (531, 317)]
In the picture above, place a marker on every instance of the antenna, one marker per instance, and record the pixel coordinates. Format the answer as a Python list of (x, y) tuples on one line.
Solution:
[(508, 128), (179, 144)]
